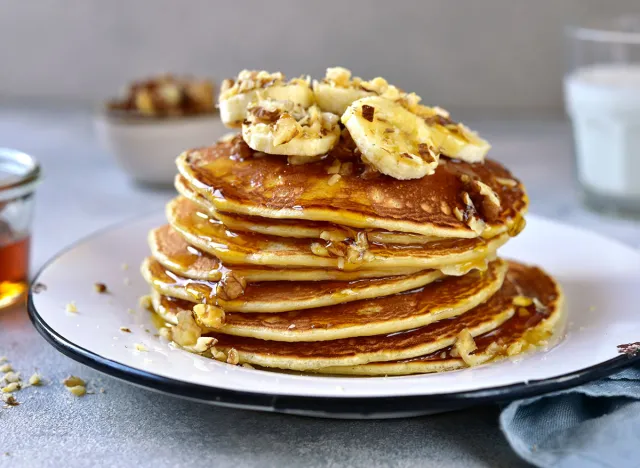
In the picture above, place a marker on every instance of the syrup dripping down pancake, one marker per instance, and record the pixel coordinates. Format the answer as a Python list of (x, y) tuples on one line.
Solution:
[(531, 327), (268, 187), (437, 301), (176, 255), (282, 296), (208, 234), (293, 228)]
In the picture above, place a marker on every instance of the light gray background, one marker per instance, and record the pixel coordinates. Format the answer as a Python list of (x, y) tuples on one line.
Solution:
[(484, 55)]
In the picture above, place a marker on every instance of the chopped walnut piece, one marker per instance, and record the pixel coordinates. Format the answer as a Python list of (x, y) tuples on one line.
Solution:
[(465, 346), (522, 312), (358, 250), (231, 286), (146, 303), (165, 332), (540, 307), (490, 202), (333, 236), (263, 115), (73, 381), (71, 307), (334, 168), (78, 390), (9, 399), (11, 387), (233, 357), (338, 76), (368, 112), (337, 249), (466, 198), (483, 197), (240, 151), (493, 349), (334, 179), (319, 249), (6, 368), (427, 153), (285, 129), (506, 182), (445, 208), (426, 207), (346, 169), (522, 301), (477, 225), (11, 377), (210, 316), (203, 344), (140, 347), (517, 225), (515, 348), (35, 379), (219, 355), (187, 331), (100, 288)]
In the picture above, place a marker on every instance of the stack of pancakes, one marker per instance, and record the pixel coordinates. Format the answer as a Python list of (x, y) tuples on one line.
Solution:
[(332, 267)]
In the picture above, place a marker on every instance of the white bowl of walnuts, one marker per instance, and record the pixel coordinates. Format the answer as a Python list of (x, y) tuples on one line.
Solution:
[(155, 121)]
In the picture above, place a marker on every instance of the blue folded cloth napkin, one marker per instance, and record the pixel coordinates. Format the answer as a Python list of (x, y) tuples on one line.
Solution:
[(593, 425)]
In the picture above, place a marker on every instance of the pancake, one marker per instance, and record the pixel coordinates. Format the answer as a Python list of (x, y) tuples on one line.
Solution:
[(437, 301), (282, 296), (210, 235), (530, 328), (172, 251), (307, 356), (241, 181), (293, 228)]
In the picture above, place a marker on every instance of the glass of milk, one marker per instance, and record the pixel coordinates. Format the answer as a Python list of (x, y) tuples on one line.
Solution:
[(602, 97)]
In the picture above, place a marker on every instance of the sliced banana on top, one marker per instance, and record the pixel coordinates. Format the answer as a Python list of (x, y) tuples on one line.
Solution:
[(236, 95), (338, 90), (283, 127), (391, 138), (451, 138)]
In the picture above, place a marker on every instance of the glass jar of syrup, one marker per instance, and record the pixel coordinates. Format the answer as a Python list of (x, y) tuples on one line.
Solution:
[(19, 175)]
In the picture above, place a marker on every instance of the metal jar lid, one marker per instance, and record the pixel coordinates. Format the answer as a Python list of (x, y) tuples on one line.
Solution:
[(19, 174)]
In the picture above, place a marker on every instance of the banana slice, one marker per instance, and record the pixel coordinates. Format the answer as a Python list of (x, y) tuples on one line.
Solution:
[(236, 95), (391, 138), (338, 90), (451, 138), (282, 127)]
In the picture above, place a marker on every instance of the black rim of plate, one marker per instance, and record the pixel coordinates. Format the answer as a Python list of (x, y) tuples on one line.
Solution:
[(311, 405)]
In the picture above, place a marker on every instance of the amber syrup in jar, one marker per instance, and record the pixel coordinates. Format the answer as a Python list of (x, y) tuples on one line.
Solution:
[(14, 270), (19, 175)]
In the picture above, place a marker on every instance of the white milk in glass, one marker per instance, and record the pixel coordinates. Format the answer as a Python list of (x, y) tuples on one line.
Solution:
[(604, 104)]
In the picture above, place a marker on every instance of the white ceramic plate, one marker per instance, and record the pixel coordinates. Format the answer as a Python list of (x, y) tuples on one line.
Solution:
[(601, 279)]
